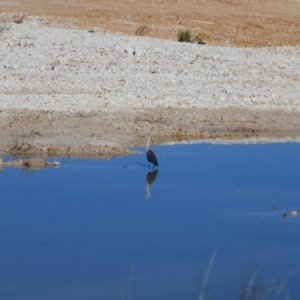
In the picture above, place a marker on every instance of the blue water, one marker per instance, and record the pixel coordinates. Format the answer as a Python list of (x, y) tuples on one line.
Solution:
[(86, 230)]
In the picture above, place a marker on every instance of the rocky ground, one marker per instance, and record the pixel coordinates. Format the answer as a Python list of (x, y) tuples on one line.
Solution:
[(88, 93)]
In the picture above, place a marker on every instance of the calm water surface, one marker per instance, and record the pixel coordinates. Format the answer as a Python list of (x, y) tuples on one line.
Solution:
[(95, 229)]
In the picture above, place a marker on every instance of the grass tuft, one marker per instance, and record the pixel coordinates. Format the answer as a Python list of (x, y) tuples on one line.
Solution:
[(186, 37), (22, 139), (142, 30)]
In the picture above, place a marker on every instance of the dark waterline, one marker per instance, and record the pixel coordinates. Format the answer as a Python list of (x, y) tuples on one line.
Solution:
[(92, 229)]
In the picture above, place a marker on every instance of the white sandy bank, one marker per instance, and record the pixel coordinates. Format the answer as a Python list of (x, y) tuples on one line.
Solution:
[(49, 68)]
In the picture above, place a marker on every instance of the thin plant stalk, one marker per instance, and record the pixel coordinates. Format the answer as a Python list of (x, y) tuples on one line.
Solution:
[(211, 261), (251, 282)]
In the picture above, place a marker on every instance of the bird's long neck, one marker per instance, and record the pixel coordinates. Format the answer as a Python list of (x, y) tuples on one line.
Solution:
[(148, 142)]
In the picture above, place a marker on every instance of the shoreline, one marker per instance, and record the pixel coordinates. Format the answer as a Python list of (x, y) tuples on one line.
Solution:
[(49, 134)]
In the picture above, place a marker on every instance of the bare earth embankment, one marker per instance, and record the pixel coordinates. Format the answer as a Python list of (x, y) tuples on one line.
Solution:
[(77, 81)]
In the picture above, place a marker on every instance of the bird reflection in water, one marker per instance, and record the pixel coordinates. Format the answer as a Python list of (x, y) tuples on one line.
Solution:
[(151, 176)]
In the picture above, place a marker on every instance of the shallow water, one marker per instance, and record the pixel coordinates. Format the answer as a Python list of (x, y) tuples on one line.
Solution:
[(92, 229)]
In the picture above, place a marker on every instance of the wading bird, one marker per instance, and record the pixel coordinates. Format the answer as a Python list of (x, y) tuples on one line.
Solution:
[(151, 157)]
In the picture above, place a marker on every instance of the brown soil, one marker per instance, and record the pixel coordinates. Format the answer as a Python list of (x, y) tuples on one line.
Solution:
[(219, 22), (35, 133)]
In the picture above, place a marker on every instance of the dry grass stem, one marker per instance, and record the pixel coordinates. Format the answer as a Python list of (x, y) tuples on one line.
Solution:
[(211, 261)]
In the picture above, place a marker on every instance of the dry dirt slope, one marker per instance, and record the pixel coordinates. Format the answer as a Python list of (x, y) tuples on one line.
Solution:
[(256, 23), (220, 22)]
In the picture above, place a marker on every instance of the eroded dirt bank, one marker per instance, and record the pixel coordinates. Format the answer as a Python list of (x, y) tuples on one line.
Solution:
[(41, 133)]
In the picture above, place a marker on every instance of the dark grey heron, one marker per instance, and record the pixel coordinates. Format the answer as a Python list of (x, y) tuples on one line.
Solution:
[(151, 157)]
